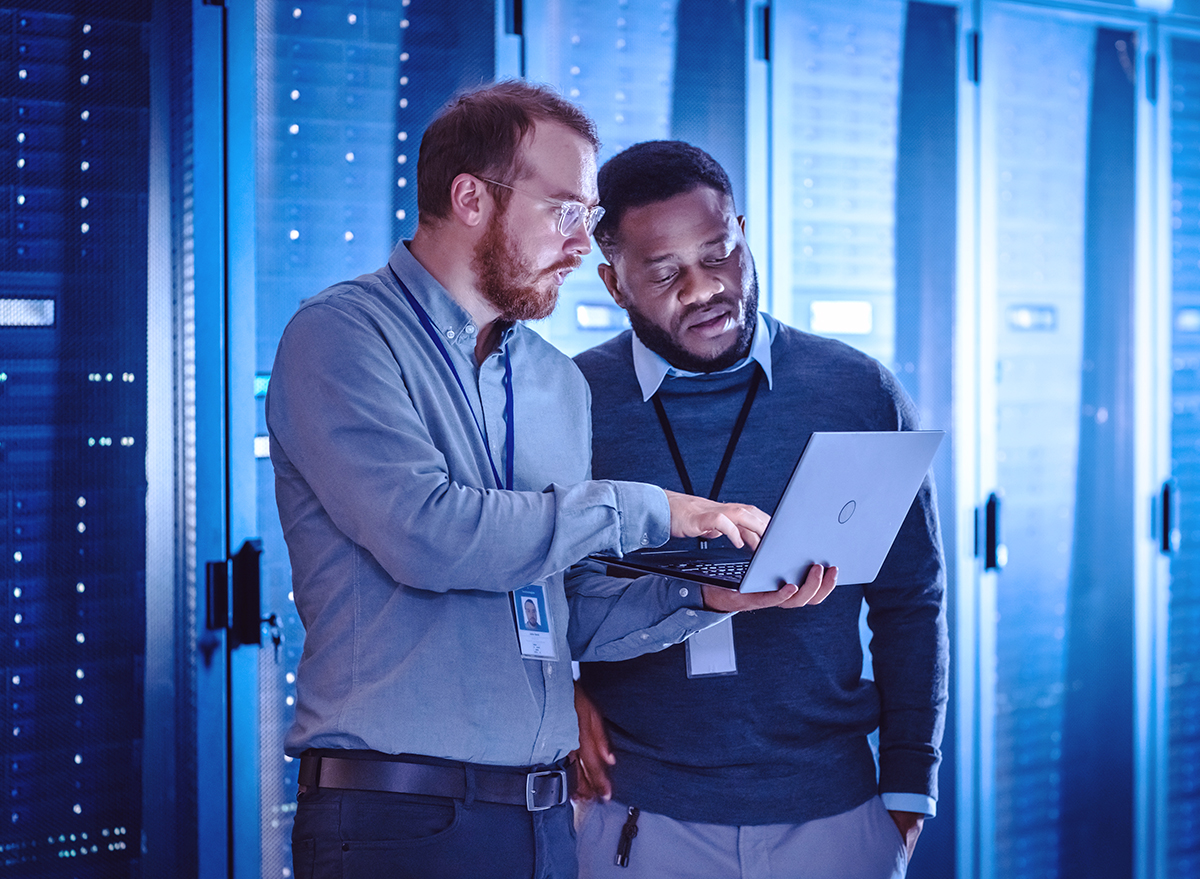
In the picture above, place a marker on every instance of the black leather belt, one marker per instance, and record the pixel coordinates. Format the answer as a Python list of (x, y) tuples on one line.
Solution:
[(535, 790)]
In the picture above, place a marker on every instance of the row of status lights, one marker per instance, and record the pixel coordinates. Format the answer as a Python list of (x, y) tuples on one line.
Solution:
[(78, 810), (78, 759), (114, 845), (352, 18), (401, 158), (294, 128), (84, 115), (80, 638)]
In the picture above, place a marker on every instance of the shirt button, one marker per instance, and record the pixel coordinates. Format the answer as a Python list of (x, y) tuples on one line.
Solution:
[(665, 646), (549, 670), (645, 636), (469, 329), (691, 613), (449, 334), (645, 539), (683, 593)]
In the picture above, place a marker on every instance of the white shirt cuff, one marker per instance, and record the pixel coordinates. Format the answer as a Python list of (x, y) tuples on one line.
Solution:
[(895, 802)]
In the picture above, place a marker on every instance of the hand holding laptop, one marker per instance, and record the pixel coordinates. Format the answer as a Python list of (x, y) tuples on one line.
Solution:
[(744, 525), (816, 588), (692, 516)]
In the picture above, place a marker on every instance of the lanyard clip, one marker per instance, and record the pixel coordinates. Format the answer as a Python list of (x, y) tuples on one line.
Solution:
[(628, 832)]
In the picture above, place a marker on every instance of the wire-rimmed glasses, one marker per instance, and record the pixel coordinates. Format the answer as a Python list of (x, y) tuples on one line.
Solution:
[(570, 213)]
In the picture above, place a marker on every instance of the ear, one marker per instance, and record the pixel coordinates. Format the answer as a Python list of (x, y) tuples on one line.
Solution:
[(470, 201), (741, 220), (609, 276)]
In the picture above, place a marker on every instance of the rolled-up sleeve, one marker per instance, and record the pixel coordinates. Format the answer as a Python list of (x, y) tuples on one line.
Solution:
[(613, 619)]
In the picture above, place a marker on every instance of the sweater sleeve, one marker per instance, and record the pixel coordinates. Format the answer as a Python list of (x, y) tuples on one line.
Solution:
[(909, 640)]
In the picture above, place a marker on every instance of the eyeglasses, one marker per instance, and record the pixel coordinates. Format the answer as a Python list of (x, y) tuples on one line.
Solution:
[(570, 213)]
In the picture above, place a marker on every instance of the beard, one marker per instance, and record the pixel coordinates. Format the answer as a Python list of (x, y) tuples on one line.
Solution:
[(506, 279), (662, 343)]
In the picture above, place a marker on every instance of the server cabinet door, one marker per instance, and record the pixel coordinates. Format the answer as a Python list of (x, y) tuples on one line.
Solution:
[(95, 643), (1177, 832), (74, 291), (1057, 148)]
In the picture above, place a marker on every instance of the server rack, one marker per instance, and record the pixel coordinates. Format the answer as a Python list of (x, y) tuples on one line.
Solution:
[(74, 105)]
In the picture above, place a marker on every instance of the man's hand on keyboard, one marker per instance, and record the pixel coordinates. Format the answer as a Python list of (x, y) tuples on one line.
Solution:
[(693, 516), (816, 588)]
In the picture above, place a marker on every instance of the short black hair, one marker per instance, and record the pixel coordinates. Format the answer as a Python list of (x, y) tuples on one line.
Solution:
[(650, 172)]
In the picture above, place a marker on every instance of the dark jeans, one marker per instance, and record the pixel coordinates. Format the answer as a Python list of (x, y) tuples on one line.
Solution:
[(343, 834)]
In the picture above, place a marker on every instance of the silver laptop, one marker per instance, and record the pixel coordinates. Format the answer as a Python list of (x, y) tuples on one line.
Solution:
[(843, 505)]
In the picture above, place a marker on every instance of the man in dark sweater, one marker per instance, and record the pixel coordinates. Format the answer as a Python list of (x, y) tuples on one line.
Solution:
[(745, 752)]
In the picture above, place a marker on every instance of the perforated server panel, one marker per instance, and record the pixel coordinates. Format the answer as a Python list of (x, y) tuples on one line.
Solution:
[(73, 184), (835, 110), (1039, 70), (1184, 633)]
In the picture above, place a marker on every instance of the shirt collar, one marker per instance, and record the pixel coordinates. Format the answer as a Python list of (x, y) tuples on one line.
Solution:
[(651, 368), (449, 318)]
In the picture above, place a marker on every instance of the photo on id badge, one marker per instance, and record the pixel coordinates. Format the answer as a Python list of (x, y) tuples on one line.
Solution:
[(535, 631)]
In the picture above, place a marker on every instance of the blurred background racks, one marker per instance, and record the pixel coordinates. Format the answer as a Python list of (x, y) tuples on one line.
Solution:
[(999, 200)]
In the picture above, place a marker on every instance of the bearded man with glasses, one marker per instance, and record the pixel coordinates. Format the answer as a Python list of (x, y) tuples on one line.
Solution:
[(432, 471)]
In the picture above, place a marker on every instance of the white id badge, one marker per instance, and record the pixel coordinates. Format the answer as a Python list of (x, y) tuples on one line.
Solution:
[(535, 630), (710, 651)]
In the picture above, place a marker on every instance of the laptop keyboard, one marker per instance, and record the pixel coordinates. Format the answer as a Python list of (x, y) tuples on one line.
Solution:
[(724, 570)]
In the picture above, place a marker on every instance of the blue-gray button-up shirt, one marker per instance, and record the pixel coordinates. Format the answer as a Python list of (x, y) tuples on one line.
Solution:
[(403, 550)]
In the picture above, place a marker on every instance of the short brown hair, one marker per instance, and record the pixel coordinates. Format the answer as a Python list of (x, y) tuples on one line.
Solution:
[(479, 132)]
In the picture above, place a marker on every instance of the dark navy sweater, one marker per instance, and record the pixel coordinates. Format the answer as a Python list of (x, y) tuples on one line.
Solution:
[(785, 739)]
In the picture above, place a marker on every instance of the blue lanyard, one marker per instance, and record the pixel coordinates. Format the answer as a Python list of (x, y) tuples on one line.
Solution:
[(509, 434)]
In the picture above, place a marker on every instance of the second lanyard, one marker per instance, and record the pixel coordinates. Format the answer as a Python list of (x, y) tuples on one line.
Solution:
[(738, 426)]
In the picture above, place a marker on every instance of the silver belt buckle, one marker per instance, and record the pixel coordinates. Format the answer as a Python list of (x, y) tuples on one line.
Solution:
[(531, 783)]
